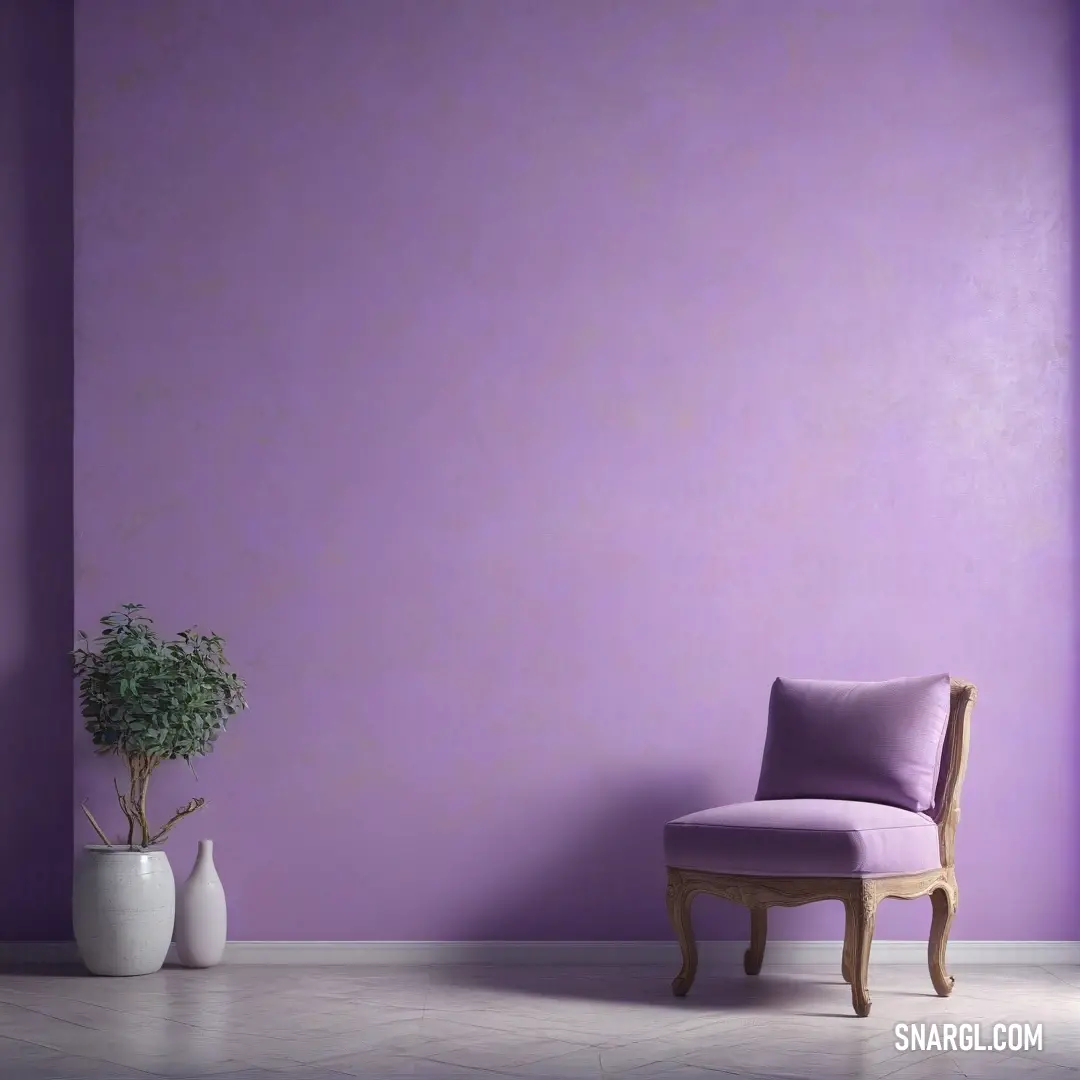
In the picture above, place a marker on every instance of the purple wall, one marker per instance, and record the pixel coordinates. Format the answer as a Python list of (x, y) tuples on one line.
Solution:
[(36, 588), (520, 387)]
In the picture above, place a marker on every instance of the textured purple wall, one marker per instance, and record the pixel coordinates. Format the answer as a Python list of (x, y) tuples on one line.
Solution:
[(36, 587), (520, 387)]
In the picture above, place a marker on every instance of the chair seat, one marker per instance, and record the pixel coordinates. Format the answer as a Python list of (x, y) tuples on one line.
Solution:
[(803, 838)]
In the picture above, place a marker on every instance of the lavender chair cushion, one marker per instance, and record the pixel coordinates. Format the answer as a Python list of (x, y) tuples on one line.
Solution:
[(803, 838), (866, 741)]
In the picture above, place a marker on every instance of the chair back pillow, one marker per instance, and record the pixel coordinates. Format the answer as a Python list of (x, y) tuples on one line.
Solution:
[(867, 741)]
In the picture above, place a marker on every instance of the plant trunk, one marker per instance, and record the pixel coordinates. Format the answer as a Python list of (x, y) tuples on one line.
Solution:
[(133, 804)]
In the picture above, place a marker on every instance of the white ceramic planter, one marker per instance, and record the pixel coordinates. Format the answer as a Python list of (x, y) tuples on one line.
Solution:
[(123, 910), (201, 915)]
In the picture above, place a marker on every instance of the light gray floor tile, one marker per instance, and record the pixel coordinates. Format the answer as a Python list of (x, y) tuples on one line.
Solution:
[(246, 1022)]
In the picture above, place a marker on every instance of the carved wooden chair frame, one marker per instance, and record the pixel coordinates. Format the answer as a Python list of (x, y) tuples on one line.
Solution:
[(860, 895)]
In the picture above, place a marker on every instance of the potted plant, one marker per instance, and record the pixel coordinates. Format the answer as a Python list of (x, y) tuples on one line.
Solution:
[(147, 700)]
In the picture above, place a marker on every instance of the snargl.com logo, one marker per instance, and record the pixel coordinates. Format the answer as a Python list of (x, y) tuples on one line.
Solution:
[(996, 1038)]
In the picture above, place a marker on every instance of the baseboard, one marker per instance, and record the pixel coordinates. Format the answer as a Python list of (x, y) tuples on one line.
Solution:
[(571, 953)]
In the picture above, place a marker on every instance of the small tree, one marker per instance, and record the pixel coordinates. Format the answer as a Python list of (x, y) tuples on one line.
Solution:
[(149, 700)]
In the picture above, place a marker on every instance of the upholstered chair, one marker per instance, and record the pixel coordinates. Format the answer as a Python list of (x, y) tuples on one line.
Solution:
[(858, 800)]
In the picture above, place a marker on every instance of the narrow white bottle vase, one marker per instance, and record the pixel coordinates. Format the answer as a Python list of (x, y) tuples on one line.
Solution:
[(201, 915)]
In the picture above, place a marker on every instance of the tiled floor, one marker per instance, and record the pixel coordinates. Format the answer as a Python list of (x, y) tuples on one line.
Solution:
[(481, 1022)]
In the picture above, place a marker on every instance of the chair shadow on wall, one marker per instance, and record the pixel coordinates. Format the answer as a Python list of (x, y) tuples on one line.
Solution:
[(37, 358), (609, 885)]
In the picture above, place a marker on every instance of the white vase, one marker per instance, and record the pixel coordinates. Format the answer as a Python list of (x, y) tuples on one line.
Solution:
[(201, 914), (123, 904)]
